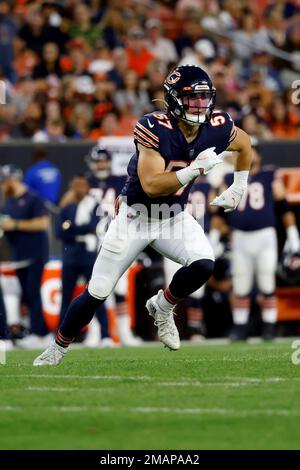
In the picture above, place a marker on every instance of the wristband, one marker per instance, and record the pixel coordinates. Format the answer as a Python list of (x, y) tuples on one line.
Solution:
[(240, 179), (186, 175)]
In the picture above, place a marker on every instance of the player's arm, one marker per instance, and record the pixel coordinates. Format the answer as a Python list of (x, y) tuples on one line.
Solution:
[(156, 182), (241, 145), (36, 224), (151, 171), (287, 216)]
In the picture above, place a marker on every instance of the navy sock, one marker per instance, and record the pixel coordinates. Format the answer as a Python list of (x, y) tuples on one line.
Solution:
[(101, 315), (190, 278), (78, 315)]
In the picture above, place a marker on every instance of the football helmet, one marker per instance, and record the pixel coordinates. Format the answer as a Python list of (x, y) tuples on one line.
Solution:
[(189, 94), (289, 268), (94, 160)]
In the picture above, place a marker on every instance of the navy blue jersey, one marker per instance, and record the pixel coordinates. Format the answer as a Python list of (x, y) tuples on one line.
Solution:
[(198, 202), (75, 251), (31, 246), (256, 209), (161, 133), (106, 192)]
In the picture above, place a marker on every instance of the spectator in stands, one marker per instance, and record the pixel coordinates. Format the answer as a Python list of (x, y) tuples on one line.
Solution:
[(35, 33), (114, 28), (139, 56), (49, 64), (110, 126), (192, 32), (80, 121), (33, 119), (82, 26), (254, 127), (53, 132), (120, 59), (284, 123), (8, 33), (103, 99), (43, 177), (132, 99), (162, 48), (25, 226)]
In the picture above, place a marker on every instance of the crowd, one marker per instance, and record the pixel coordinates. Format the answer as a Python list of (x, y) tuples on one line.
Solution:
[(78, 69)]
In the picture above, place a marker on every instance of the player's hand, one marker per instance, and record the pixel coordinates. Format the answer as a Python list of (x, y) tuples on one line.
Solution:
[(206, 160), (229, 199)]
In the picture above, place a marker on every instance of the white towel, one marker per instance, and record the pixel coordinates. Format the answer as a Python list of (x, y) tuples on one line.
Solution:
[(83, 216)]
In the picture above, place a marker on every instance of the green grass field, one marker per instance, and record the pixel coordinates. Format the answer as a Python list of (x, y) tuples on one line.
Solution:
[(238, 396)]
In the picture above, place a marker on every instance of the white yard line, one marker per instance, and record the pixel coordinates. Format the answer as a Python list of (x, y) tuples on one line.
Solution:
[(63, 389), (243, 413), (227, 381)]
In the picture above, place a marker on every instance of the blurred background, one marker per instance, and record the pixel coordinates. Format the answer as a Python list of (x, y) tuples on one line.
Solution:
[(76, 74)]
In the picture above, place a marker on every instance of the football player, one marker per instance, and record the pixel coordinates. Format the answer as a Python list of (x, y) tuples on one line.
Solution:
[(254, 244), (106, 187), (172, 149)]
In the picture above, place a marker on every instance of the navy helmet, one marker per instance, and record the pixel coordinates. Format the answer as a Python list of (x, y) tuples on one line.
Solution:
[(99, 154), (189, 94)]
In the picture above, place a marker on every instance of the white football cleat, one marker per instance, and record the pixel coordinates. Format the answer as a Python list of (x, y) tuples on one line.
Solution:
[(164, 320), (52, 356)]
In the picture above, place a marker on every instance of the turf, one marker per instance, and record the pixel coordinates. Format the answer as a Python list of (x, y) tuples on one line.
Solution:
[(237, 396)]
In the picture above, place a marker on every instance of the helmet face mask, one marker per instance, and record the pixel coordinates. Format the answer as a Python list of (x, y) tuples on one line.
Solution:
[(99, 162), (189, 95)]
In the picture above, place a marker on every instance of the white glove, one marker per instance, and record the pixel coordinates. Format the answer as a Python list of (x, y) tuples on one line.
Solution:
[(231, 198), (292, 244), (205, 161)]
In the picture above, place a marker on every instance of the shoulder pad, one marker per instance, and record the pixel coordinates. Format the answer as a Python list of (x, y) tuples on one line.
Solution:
[(145, 132)]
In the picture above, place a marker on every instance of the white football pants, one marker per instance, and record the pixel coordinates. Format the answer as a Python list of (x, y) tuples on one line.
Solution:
[(254, 256), (179, 238)]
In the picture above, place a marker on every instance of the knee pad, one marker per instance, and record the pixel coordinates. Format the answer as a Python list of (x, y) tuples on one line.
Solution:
[(202, 268), (101, 286)]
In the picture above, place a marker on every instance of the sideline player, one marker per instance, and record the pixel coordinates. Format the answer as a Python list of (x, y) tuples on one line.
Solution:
[(254, 245), (172, 149), (105, 188)]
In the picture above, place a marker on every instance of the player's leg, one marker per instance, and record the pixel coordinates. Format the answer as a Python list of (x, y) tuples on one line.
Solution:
[(123, 241), (185, 243), (95, 337), (266, 264), (242, 282), (182, 240), (70, 274), (194, 311), (123, 319)]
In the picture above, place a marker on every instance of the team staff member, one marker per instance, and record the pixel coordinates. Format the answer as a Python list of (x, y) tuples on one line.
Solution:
[(43, 177), (25, 223)]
